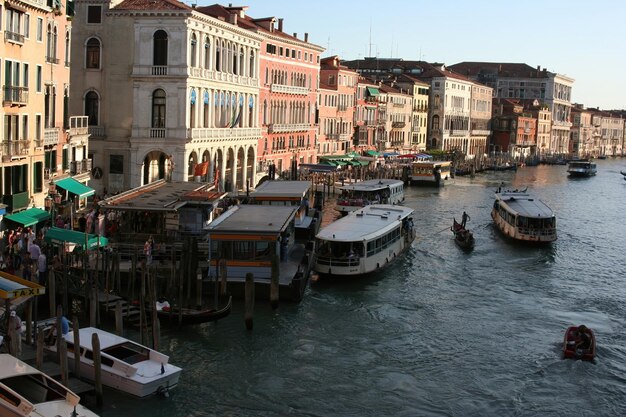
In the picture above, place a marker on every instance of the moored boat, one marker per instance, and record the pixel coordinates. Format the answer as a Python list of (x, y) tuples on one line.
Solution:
[(176, 315), (364, 241), (462, 237), (430, 172), (579, 342), (361, 194), (524, 218), (28, 392), (126, 365), (581, 168)]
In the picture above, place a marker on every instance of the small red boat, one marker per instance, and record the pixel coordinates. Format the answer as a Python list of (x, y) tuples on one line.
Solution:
[(579, 343)]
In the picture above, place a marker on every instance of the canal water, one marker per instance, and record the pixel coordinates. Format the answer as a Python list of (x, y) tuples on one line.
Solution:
[(440, 332)]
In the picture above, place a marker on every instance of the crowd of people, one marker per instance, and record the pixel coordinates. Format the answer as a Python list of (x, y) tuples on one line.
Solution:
[(23, 256)]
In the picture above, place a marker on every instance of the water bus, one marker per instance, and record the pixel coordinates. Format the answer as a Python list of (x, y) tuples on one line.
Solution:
[(364, 241), (581, 168), (360, 194), (521, 217), (430, 172), (28, 392)]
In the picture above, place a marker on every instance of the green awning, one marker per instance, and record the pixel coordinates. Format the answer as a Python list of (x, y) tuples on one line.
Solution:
[(373, 91), (341, 163), (75, 187), (29, 217), (61, 236)]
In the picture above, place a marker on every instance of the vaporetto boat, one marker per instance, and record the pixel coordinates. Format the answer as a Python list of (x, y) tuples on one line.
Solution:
[(581, 168), (363, 193), (126, 365), (364, 241), (524, 218)]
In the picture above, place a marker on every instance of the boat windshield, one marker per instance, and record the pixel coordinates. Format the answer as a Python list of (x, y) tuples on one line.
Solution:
[(128, 352), (35, 388)]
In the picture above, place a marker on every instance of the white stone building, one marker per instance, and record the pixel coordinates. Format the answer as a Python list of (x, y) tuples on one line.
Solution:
[(166, 88)]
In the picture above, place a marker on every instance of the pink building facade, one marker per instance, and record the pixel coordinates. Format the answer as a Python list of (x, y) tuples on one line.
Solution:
[(337, 136), (367, 127), (289, 79)]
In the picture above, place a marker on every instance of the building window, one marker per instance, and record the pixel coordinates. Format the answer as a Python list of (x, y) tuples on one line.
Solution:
[(160, 48), (93, 54), (91, 107), (39, 29), (67, 48), (116, 164), (194, 50), (158, 109), (39, 79), (251, 69), (94, 14), (207, 53)]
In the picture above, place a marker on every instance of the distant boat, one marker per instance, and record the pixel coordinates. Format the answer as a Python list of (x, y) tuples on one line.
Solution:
[(623, 173), (193, 316), (360, 194), (523, 218), (581, 168), (28, 392)]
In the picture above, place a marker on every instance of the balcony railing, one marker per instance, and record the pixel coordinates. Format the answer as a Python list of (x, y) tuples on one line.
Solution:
[(157, 132), (51, 136), (80, 167), (478, 132), (159, 70), (15, 148), (52, 60), (288, 127), (13, 37), (289, 89), (96, 131), (15, 95), (398, 125), (224, 133), (332, 136)]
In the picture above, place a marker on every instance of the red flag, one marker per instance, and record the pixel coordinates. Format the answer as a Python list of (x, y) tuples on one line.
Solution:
[(201, 169)]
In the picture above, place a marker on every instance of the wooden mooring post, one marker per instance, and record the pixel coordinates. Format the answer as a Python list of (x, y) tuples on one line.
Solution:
[(249, 300), (97, 365), (76, 331)]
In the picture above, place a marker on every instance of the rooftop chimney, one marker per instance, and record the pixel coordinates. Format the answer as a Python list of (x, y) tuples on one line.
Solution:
[(295, 35), (233, 18), (306, 37), (280, 24)]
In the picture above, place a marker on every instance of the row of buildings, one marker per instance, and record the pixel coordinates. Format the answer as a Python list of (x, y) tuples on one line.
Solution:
[(118, 94)]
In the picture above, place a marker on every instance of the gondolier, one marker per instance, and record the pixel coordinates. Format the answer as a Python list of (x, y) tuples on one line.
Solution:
[(464, 219)]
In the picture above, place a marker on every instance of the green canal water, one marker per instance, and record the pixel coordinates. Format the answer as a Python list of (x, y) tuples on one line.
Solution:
[(441, 332)]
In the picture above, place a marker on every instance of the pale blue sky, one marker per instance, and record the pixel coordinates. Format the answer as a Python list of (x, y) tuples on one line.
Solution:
[(584, 40)]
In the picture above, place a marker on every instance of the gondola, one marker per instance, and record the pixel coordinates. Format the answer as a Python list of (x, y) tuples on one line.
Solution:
[(570, 351), (193, 316), (623, 173), (462, 237)]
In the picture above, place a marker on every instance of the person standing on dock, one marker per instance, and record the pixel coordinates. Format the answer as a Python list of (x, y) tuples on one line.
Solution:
[(464, 219)]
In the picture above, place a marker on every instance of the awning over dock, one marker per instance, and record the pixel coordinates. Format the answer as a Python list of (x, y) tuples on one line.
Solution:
[(62, 236)]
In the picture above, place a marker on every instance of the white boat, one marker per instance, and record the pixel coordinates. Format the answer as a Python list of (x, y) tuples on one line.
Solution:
[(125, 365), (430, 172), (25, 391), (364, 240), (360, 194), (581, 168), (524, 218)]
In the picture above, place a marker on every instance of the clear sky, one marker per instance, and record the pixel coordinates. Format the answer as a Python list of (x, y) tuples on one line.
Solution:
[(584, 40)]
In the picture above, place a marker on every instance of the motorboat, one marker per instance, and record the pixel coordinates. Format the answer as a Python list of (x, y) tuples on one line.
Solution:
[(125, 365), (581, 168), (364, 241), (573, 349), (28, 392)]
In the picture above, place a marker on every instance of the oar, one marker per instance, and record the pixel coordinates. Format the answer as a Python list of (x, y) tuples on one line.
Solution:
[(447, 228)]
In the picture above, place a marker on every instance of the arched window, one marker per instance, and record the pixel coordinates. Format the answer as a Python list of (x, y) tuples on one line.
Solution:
[(158, 109), (193, 52), (67, 48), (92, 104), (160, 48), (93, 54), (207, 53), (435, 124), (241, 61), (218, 55), (251, 68), (54, 43), (49, 43)]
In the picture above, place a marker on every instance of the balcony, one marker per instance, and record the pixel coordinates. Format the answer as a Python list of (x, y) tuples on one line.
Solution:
[(371, 99), (96, 131), (158, 70), (478, 132), (13, 37), (80, 167), (398, 105), (51, 136), (15, 95), (342, 107), (398, 125), (288, 89), (332, 136), (14, 149), (52, 60), (288, 127), (214, 133), (157, 132)]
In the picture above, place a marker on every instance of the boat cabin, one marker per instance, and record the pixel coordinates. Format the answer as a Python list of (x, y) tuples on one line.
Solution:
[(430, 172), (360, 194), (522, 217)]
